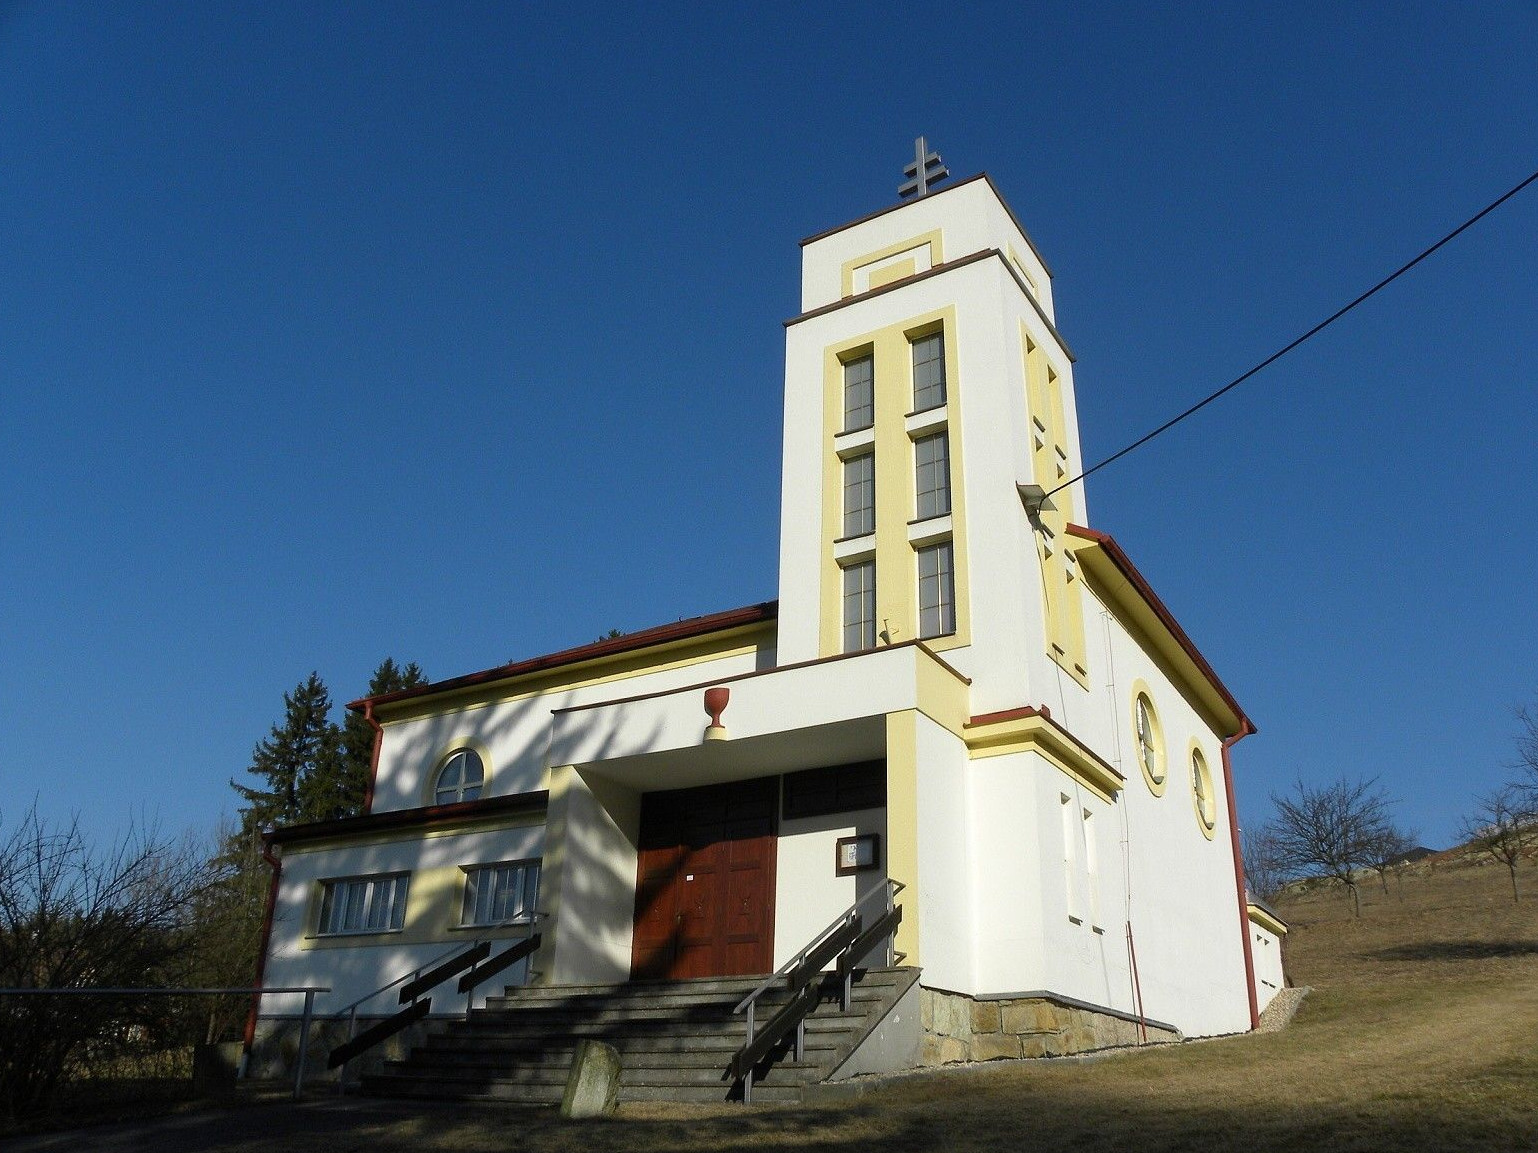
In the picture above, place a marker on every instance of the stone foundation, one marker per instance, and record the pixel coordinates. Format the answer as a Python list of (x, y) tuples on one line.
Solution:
[(960, 1028)]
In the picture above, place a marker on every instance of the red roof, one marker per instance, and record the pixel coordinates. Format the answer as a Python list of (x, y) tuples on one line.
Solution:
[(629, 642), (1145, 590)]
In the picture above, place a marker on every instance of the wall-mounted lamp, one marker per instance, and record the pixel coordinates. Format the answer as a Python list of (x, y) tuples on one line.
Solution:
[(1035, 498)]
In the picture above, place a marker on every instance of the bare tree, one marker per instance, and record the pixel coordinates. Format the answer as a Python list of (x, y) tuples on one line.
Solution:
[(1265, 873), (1527, 749), (1505, 825), (1331, 830), (1389, 851), (73, 917)]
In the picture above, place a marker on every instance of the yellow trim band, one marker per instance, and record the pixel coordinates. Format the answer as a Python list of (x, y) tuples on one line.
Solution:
[(850, 267), (1036, 733), (1266, 921)]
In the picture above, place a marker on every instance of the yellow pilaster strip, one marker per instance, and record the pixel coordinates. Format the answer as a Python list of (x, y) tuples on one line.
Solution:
[(902, 824)]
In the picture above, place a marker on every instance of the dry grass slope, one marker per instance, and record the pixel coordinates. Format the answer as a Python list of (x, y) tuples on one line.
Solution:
[(1422, 1034)]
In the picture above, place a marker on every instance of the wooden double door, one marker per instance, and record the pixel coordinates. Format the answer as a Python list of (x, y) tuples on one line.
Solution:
[(705, 881)]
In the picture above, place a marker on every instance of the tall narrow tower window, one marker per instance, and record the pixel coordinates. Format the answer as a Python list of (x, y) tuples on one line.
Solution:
[(859, 395), (937, 591), (860, 606), (932, 474), (860, 495), (929, 371)]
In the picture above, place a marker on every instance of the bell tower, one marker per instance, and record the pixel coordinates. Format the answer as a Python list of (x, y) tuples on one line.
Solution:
[(926, 390)]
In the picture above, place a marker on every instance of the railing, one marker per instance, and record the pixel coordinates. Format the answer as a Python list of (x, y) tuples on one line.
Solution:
[(309, 992), (474, 961), (847, 939)]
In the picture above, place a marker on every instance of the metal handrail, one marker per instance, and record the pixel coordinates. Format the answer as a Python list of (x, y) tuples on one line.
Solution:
[(837, 940), (889, 890), (401, 980), (351, 1011), (400, 1020)]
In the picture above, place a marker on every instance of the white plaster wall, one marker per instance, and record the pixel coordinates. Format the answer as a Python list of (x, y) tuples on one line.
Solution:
[(808, 893), (969, 216), (354, 966), (945, 896), (1083, 892), (513, 735), (1006, 874), (1184, 904), (869, 684), (1266, 949), (597, 903)]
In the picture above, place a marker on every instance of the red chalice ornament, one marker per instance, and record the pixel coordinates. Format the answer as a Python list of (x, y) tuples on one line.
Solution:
[(715, 705)]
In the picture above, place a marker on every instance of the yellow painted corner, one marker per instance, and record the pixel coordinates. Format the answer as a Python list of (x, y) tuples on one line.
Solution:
[(902, 824)]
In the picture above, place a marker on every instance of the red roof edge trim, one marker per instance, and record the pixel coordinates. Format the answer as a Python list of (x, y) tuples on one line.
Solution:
[(630, 642), (1145, 590)]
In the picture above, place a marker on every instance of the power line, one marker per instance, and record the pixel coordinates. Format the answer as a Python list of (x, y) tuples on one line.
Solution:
[(1318, 328)]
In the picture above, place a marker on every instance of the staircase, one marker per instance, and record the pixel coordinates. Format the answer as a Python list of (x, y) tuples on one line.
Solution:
[(675, 1039)]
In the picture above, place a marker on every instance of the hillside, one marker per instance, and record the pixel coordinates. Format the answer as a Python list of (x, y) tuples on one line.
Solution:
[(1421, 1035)]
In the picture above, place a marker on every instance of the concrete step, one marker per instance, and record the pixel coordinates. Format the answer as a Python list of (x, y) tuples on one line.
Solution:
[(576, 1024), (764, 1092), (675, 1040), (555, 1073), (674, 1049)]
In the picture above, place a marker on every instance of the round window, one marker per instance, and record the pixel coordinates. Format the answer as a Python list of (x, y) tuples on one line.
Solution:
[(1201, 792), (1150, 742), (460, 779)]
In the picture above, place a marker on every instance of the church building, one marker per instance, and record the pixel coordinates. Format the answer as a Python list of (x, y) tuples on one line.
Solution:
[(966, 703)]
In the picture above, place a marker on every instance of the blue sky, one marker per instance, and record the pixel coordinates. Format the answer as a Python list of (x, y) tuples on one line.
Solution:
[(451, 332)]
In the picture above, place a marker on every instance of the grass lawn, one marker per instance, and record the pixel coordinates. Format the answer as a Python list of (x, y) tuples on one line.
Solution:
[(1422, 1034)]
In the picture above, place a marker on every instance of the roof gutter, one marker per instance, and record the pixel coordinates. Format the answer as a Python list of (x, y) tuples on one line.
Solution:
[(276, 866), (373, 763), (1245, 729)]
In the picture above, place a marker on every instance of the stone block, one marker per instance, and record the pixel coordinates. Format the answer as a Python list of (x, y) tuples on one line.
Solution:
[(1051, 1018), (592, 1089), (927, 1009), (930, 1051), (1034, 1045), (953, 1015), (995, 1047), (1079, 1039), (952, 1051), (1018, 1017), (985, 1016)]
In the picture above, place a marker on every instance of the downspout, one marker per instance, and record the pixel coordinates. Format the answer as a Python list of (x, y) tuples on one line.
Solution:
[(373, 764), (1245, 729), (261, 960)]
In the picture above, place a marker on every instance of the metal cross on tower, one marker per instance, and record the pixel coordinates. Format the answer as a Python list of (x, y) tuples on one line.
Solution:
[(925, 170)]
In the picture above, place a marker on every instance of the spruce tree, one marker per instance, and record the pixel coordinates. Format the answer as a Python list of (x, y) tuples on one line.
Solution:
[(355, 762), (297, 763)]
